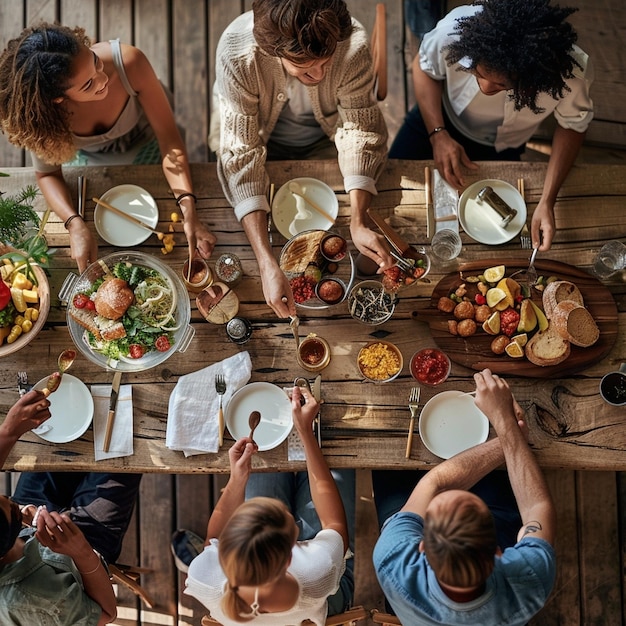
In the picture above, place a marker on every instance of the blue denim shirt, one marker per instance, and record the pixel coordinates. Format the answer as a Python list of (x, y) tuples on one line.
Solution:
[(518, 587), (44, 588)]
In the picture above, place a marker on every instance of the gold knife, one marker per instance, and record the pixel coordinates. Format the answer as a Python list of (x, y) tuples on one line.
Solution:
[(317, 394), (115, 388)]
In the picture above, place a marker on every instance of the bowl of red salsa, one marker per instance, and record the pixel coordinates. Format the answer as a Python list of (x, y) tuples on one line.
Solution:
[(430, 366)]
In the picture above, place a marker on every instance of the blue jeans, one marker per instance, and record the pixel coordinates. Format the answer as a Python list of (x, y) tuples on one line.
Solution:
[(412, 142), (293, 489), (101, 505), (422, 15)]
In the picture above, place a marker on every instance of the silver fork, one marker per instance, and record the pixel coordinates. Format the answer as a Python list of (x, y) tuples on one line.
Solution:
[(220, 388), (531, 272), (22, 383), (524, 238), (414, 398)]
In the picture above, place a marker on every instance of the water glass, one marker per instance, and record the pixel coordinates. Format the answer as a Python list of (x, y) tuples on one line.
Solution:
[(446, 244), (610, 259)]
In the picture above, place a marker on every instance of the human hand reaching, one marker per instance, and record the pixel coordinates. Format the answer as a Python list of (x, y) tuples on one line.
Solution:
[(450, 159)]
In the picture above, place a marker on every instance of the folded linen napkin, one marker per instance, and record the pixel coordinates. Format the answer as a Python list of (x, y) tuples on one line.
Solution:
[(122, 434), (445, 200), (192, 421)]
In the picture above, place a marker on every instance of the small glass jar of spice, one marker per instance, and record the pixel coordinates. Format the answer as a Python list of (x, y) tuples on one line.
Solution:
[(228, 269)]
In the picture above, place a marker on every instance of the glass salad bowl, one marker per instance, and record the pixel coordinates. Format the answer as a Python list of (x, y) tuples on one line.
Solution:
[(156, 324)]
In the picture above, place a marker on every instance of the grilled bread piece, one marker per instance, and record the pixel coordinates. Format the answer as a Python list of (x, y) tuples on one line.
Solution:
[(547, 347)]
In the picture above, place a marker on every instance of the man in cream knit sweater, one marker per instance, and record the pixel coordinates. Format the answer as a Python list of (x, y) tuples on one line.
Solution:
[(292, 77)]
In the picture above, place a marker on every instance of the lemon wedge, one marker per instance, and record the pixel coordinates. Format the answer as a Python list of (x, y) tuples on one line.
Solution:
[(521, 339), (495, 295), (494, 274), (492, 324), (514, 350)]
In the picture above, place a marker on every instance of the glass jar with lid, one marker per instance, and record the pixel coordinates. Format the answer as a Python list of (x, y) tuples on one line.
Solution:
[(228, 268)]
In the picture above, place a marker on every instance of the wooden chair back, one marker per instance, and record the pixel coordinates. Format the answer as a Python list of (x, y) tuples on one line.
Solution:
[(378, 44), (384, 618), (128, 575)]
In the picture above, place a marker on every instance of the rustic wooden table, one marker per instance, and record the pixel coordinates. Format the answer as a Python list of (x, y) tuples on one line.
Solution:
[(364, 425)]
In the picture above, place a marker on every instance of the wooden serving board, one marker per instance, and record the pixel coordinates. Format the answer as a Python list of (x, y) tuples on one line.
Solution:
[(475, 351)]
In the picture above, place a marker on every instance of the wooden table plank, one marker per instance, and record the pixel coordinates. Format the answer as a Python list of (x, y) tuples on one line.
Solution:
[(364, 425)]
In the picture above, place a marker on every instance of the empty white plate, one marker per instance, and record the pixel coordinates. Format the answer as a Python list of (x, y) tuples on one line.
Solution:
[(451, 422), (275, 408), (71, 406), (130, 199), (481, 222)]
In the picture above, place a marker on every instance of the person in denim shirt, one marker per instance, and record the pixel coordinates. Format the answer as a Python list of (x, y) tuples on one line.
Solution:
[(49, 570), (438, 560)]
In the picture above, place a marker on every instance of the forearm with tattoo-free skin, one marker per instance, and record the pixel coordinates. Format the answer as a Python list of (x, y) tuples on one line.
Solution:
[(368, 242), (324, 492), (240, 457), (449, 156), (527, 480), (275, 283), (566, 144)]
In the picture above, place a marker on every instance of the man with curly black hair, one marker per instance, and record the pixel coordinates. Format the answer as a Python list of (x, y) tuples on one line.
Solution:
[(485, 78)]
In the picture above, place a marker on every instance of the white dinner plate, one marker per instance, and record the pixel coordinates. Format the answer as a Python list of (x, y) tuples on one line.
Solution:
[(275, 408), (133, 200), (481, 222), (285, 209), (450, 422), (71, 406)]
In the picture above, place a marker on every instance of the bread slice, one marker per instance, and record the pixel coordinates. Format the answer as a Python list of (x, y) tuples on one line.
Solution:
[(574, 323), (547, 347), (303, 249), (558, 291), (87, 319), (110, 329)]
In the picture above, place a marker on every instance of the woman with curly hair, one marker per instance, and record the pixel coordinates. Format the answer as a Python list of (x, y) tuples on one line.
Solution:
[(62, 98), (277, 543), (485, 78)]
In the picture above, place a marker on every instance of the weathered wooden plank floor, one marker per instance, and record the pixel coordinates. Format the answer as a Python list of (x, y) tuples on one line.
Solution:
[(591, 544)]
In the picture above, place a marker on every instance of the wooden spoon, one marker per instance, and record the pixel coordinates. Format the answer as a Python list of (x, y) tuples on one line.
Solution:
[(253, 421)]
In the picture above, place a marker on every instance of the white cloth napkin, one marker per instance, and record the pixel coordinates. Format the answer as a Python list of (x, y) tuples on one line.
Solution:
[(445, 200), (122, 434), (192, 421)]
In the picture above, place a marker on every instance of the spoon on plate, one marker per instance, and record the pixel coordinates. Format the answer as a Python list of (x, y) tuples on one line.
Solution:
[(253, 421)]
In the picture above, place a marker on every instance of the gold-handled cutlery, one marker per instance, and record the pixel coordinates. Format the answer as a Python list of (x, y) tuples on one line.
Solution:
[(130, 218), (220, 388), (430, 217), (115, 389), (524, 237), (414, 399)]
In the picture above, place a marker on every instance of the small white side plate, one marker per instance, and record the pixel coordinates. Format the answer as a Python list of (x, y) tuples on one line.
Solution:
[(284, 206), (481, 222), (71, 406), (451, 422), (133, 200), (275, 408)]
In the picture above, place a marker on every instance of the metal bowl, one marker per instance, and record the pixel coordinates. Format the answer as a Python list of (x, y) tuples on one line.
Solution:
[(182, 335)]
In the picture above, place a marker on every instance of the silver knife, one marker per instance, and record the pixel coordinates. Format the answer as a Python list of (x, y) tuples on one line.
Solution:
[(317, 394), (115, 388)]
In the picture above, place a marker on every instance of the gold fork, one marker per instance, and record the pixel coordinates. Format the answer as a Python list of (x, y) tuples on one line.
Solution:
[(524, 236), (414, 398), (220, 388)]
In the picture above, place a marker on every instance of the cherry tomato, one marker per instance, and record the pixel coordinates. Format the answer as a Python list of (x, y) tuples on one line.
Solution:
[(91, 305), (162, 344), (5, 295), (80, 300), (136, 351)]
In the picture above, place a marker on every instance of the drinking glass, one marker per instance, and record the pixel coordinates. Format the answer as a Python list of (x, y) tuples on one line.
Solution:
[(446, 244), (610, 259)]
